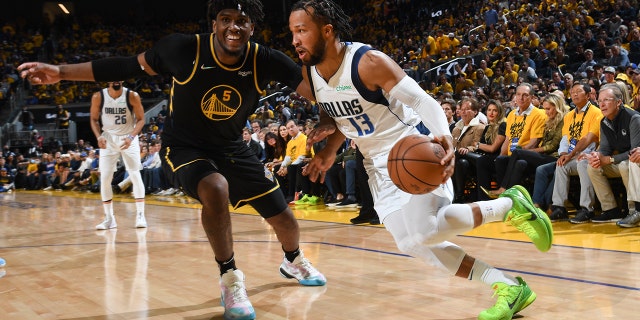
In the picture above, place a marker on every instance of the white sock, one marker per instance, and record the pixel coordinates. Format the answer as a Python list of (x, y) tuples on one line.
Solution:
[(108, 209), (494, 210), (485, 273), (140, 206)]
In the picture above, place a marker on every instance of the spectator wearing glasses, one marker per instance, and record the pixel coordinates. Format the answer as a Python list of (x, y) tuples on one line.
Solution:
[(619, 134)]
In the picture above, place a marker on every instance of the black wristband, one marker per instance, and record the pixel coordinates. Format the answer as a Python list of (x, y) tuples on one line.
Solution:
[(117, 69)]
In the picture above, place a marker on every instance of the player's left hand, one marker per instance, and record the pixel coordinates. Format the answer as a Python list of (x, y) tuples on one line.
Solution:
[(126, 144), (449, 159), (320, 133)]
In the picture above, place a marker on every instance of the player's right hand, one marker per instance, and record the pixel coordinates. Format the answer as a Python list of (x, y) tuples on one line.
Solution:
[(39, 73), (448, 160), (320, 133), (317, 167)]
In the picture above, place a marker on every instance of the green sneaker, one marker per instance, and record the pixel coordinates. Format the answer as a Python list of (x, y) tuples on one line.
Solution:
[(529, 219), (303, 201), (511, 299), (314, 200)]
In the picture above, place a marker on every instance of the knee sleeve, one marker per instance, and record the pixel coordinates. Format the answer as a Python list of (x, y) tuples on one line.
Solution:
[(444, 255), (105, 187), (453, 220), (414, 230), (138, 186)]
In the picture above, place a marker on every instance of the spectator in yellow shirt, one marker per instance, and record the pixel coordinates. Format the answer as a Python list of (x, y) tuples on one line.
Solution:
[(510, 76), (294, 158)]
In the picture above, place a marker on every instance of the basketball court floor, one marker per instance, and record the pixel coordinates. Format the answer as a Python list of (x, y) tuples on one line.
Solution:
[(59, 267)]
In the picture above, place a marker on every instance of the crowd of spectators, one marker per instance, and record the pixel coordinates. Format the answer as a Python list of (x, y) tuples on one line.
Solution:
[(508, 41), (480, 50)]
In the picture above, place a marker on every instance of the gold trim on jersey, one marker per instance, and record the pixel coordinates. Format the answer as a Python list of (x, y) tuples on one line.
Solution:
[(242, 201), (220, 64), (255, 72), (195, 64), (171, 97)]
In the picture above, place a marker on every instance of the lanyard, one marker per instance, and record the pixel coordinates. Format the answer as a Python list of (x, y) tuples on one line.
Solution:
[(573, 133), (517, 128)]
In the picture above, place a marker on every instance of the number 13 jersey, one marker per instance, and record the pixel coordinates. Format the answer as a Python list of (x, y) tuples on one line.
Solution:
[(359, 113)]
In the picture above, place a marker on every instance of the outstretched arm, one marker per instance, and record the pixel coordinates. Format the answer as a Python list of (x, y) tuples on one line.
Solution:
[(108, 69), (44, 73)]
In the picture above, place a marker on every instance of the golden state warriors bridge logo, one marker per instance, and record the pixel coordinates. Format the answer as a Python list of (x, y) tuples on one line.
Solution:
[(221, 102)]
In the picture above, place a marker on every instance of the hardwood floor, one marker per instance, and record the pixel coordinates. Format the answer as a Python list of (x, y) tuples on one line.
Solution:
[(59, 267)]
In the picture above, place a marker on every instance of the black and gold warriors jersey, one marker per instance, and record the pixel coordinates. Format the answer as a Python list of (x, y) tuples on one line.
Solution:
[(210, 102)]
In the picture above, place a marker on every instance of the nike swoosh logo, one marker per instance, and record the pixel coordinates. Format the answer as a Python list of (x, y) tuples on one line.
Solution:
[(203, 67), (512, 304)]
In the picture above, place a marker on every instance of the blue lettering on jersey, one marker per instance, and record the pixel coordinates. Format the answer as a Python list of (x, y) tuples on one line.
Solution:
[(115, 110), (342, 108)]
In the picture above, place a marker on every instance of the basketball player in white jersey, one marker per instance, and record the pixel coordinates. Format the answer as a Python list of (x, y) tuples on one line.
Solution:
[(372, 101), (122, 115)]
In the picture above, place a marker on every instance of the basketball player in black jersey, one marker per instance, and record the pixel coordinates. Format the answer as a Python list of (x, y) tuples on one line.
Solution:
[(217, 80)]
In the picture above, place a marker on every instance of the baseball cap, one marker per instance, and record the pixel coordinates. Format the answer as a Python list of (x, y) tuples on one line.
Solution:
[(588, 51), (610, 69), (590, 68), (451, 35), (3, 169), (83, 154)]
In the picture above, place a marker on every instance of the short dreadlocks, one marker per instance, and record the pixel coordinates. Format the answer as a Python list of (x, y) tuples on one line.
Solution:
[(252, 8), (327, 12)]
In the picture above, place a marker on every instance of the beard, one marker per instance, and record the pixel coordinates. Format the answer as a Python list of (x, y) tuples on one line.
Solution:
[(116, 87), (316, 54)]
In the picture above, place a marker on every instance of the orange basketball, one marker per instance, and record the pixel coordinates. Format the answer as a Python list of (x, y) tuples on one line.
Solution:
[(414, 164)]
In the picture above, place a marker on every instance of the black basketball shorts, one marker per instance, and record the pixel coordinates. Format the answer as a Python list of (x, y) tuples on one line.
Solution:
[(249, 181)]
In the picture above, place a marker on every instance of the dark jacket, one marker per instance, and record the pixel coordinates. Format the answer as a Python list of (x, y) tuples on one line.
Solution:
[(620, 135)]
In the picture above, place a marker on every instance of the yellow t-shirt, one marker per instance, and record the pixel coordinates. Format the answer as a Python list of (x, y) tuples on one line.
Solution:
[(510, 78), (521, 128), (447, 87), (297, 147), (577, 127), (488, 72)]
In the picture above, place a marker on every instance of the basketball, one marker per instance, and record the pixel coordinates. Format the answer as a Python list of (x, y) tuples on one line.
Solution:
[(414, 164)]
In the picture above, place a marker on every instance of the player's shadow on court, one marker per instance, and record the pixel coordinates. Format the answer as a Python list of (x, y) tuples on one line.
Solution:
[(212, 307)]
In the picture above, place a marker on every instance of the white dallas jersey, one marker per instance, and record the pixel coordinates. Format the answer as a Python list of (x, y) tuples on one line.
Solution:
[(375, 121), (116, 114), (371, 118)]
